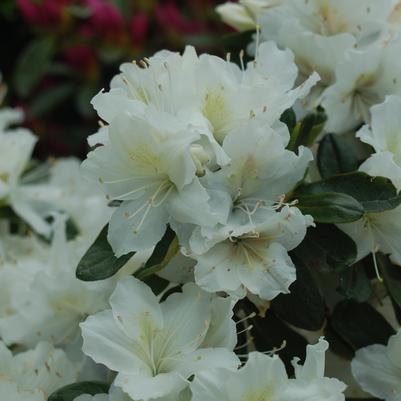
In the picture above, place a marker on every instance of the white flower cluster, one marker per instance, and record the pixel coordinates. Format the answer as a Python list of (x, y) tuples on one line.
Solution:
[(196, 146), (353, 45), (381, 231), (196, 143), (41, 300)]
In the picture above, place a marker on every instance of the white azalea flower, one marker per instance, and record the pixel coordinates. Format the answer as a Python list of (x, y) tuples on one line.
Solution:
[(264, 378), (147, 164), (116, 394), (243, 15), (377, 369), (221, 96), (56, 301), (320, 31), (38, 371), (10, 392), (15, 153), (363, 79), (249, 252), (384, 135), (21, 258), (83, 201), (381, 231), (154, 347)]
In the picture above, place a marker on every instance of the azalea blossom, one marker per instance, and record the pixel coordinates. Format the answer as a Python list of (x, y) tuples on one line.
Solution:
[(53, 303), (35, 373), (250, 251), (320, 32), (147, 164), (377, 369), (156, 347), (381, 231), (264, 378), (15, 153), (222, 96), (243, 15), (363, 78)]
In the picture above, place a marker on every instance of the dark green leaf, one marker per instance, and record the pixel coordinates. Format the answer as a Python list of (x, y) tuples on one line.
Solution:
[(392, 278), (359, 324), (306, 131), (157, 284), (270, 332), (327, 246), (337, 344), (375, 194), (337, 154), (289, 118), (72, 391), (50, 98), (32, 64), (304, 307), (330, 207), (355, 284), (164, 250), (99, 261)]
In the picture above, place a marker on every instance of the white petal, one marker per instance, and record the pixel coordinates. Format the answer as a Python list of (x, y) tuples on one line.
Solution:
[(137, 225), (375, 373), (141, 387), (106, 343), (136, 308)]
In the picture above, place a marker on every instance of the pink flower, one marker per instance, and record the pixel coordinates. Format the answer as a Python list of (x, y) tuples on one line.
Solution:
[(45, 13), (82, 58), (105, 20), (171, 19), (138, 27)]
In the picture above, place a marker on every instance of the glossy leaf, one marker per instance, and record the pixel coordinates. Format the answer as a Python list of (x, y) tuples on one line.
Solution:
[(330, 207), (327, 246), (375, 194), (164, 250), (359, 324), (99, 261), (304, 306), (72, 391), (337, 154)]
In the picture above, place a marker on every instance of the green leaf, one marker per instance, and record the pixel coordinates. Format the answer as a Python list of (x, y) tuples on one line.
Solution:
[(392, 278), (327, 246), (289, 118), (303, 307), (354, 283), (375, 194), (72, 391), (337, 154), (330, 207), (270, 332), (99, 261), (157, 284), (33, 64), (359, 324), (164, 250), (307, 130), (51, 98)]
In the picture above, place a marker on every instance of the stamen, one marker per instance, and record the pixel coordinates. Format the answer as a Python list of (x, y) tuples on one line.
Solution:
[(257, 42), (241, 59), (250, 316), (249, 341), (248, 328)]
